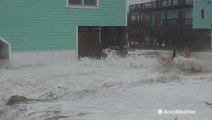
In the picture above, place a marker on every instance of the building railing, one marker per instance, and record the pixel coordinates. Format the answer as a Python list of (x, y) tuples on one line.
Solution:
[(160, 4), (174, 22), (164, 22)]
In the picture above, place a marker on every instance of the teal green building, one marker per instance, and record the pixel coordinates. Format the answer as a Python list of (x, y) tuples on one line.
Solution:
[(45, 31), (171, 24), (202, 14), (202, 17)]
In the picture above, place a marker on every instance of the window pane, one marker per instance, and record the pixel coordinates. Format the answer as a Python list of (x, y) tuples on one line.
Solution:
[(133, 17), (90, 2), (202, 13), (75, 2)]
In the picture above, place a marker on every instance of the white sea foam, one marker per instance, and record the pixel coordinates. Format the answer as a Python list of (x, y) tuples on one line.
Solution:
[(192, 64), (86, 78)]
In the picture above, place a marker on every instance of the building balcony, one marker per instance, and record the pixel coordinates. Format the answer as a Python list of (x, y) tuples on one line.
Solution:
[(161, 5), (183, 22), (178, 22)]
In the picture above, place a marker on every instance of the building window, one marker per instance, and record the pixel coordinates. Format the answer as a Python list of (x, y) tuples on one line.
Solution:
[(141, 17), (90, 2), (167, 2), (83, 3), (172, 2), (133, 18), (202, 13), (75, 2), (158, 20)]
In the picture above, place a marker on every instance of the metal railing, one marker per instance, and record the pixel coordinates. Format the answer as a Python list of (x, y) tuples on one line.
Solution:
[(174, 22), (160, 4), (163, 22)]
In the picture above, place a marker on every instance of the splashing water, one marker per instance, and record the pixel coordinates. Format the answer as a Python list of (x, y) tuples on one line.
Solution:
[(74, 81), (192, 65)]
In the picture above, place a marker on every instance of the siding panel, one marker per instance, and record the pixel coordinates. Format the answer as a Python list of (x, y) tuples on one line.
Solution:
[(32, 25), (198, 22)]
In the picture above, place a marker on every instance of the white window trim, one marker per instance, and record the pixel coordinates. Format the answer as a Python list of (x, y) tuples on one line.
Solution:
[(82, 6)]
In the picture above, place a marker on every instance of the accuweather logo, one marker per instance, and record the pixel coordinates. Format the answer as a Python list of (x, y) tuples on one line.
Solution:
[(176, 112)]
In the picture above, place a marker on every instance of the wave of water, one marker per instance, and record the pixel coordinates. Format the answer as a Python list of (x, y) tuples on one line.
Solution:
[(192, 65), (87, 77)]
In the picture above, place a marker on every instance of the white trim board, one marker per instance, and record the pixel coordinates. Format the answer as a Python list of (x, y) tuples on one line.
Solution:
[(9, 46), (42, 57), (82, 6)]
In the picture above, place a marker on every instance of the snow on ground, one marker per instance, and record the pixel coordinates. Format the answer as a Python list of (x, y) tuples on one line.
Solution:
[(114, 88)]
